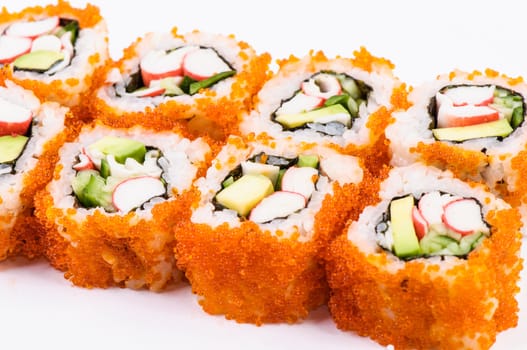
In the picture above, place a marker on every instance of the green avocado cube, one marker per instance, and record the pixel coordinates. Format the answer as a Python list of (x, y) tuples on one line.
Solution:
[(245, 193), (11, 147), (405, 242), (121, 148)]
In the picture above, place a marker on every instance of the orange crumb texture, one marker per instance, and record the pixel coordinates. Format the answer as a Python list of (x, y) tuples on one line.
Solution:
[(421, 307), (67, 91), (207, 114)]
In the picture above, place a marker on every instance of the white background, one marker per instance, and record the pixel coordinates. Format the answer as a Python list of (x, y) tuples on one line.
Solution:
[(39, 309)]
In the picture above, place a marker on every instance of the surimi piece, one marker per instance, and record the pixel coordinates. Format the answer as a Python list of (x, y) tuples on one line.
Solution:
[(433, 286), (31, 133), (248, 224), (113, 202), (461, 122), (196, 82), (66, 46)]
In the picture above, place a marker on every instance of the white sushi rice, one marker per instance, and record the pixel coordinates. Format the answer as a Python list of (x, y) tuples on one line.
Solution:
[(48, 122), (415, 179), (113, 91), (90, 41), (288, 81), (301, 222), (413, 126)]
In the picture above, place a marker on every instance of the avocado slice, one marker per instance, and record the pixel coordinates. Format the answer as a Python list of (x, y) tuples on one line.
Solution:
[(405, 242), (12, 147), (243, 194), (121, 148), (271, 171), (40, 60), (461, 133), (322, 115), (308, 160)]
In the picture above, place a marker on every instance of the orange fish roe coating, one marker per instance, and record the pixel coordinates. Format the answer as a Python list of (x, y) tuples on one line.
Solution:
[(514, 189), (24, 237), (210, 112), (365, 60), (95, 248), (423, 305), (105, 251), (254, 276), (264, 273), (250, 276), (463, 163), (91, 51), (376, 154)]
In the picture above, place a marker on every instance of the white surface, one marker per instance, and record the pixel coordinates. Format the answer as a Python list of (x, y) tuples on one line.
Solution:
[(41, 310)]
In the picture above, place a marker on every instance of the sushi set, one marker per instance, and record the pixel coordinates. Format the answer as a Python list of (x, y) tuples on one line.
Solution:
[(187, 160)]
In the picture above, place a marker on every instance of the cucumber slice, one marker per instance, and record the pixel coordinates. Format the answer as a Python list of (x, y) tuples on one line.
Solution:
[(94, 194), (105, 168), (517, 117), (278, 185), (170, 86), (349, 86), (196, 86), (227, 182), (433, 243), (308, 160), (80, 181), (337, 100), (353, 107)]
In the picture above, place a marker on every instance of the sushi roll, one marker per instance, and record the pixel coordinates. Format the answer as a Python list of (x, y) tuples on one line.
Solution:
[(340, 101), (114, 198), (433, 265), (30, 135), (53, 50), (260, 220), (197, 81), (457, 120)]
